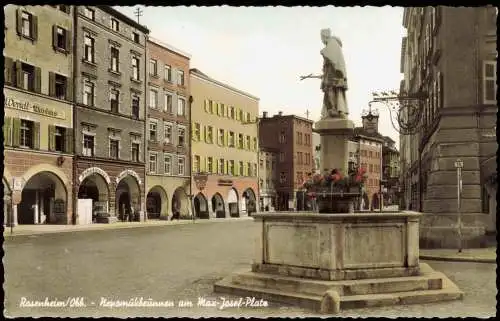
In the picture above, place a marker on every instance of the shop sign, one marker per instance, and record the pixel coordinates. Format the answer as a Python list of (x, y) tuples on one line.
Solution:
[(33, 108)]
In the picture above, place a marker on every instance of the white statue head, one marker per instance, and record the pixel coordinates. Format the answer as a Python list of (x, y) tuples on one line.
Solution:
[(326, 34)]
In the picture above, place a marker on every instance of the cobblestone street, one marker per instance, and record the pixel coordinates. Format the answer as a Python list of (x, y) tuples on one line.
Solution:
[(174, 263)]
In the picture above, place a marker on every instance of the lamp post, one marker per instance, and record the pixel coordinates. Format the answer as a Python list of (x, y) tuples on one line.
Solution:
[(200, 179), (459, 164)]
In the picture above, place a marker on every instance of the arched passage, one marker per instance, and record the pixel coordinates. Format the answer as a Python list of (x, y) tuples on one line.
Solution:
[(180, 202), (218, 206), (157, 203), (44, 199), (250, 200), (128, 199), (232, 203), (200, 206), (95, 188), (7, 202)]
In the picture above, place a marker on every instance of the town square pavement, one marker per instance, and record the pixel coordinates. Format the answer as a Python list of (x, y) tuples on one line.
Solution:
[(92, 273)]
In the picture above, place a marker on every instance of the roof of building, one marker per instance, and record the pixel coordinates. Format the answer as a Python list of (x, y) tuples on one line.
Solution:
[(198, 73), (277, 116), (360, 131), (169, 47), (269, 149), (124, 18)]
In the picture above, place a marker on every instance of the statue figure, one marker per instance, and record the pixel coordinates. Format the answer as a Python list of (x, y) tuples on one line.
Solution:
[(333, 79)]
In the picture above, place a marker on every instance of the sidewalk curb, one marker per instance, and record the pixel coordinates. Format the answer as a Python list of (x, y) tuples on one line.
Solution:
[(7, 234), (456, 259)]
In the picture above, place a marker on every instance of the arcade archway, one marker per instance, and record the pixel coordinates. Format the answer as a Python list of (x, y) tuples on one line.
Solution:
[(128, 199), (250, 201), (157, 203), (232, 203), (7, 202), (218, 206), (180, 202), (43, 200), (95, 188), (200, 204)]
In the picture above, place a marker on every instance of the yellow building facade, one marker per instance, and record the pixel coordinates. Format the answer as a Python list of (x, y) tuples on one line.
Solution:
[(224, 147)]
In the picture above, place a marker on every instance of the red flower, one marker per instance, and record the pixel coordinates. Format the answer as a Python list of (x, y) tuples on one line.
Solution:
[(358, 178)]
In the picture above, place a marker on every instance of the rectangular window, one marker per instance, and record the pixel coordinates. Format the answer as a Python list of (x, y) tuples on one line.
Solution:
[(197, 131), (88, 145), (282, 137), (27, 20), (167, 131), (59, 139), (248, 146), (61, 85), (181, 132), (209, 133), (88, 93), (181, 107), (135, 152), (221, 136), (113, 148), (153, 67), (28, 77), (231, 139), (135, 37), (89, 43), (489, 82), (115, 59), (115, 25), (210, 165), (221, 166), (282, 157), (282, 178), (26, 134), (231, 112), (152, 163), (196, 164), (240, 140), (153, 99), (181, 165), (168, 103), (240, 169), (89, 13), (61, 38), (268, 166), (230, 167), (168, 73), (180, 77), (167, 164), (114, 97), (135, 68), (135, 107), (255, 143), (249, 166), (153, 128)]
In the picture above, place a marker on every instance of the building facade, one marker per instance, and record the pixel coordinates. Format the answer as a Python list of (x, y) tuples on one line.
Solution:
[(390, 171), (224, 146), (268, 178), (110, 84), (450, 55), (38, 123), (168, 131), (291, 136)]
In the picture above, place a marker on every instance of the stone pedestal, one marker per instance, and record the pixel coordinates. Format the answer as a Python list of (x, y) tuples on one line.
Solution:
[(329, 262), (334, 136)]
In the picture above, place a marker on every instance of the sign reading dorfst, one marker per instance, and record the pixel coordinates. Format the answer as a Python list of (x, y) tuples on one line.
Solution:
[(33, 108), (94, 170), (126, 173)]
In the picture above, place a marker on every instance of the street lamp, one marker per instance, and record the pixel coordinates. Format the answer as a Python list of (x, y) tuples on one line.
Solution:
[(200, 179), (459, 164)]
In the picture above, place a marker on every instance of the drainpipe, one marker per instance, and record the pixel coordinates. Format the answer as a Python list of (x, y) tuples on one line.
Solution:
[(145, 192), (73, 103), (190, 101)]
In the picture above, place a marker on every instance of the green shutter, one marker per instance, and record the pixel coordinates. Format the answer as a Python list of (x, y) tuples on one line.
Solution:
[(205, 137), (226, 138), (202, 164), (68, 140), (69, 89), (7, 131), (52, 84), (16, 131), (68, 40), (38, 80), (236, 168), (52, 137), (36, 135), (8, 70), (19, 74), (34, 26), (54, 36)]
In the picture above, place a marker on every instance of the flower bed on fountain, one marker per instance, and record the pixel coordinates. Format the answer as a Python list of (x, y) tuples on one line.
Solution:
[(334, 192)]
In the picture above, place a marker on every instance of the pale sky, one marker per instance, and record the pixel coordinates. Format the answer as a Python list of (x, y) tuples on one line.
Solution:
[(264, 50)]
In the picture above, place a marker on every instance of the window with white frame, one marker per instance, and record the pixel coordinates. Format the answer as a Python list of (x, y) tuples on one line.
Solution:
[(181, 107), (167, 132), (115, 25), (231, 139), (115, 59), (181, 165), (135, 152), (180, 77), (26, 133), (221, 166), (26, 24), (88, 145), (153, 130), (114, 146), (153, 162), (135, 106), (210, 134), (114, 97), (221, 136), (210, 164), (167, 164), (89, 45), (153, 98), (168, 73), (168, 103), (196, 164), (230, 167), (489, 82), (153, 67), (135, 68), (181, 136), (88, 92)]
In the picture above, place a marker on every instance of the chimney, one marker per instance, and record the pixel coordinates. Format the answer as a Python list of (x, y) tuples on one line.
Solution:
[(264, 114), (280, 113)]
